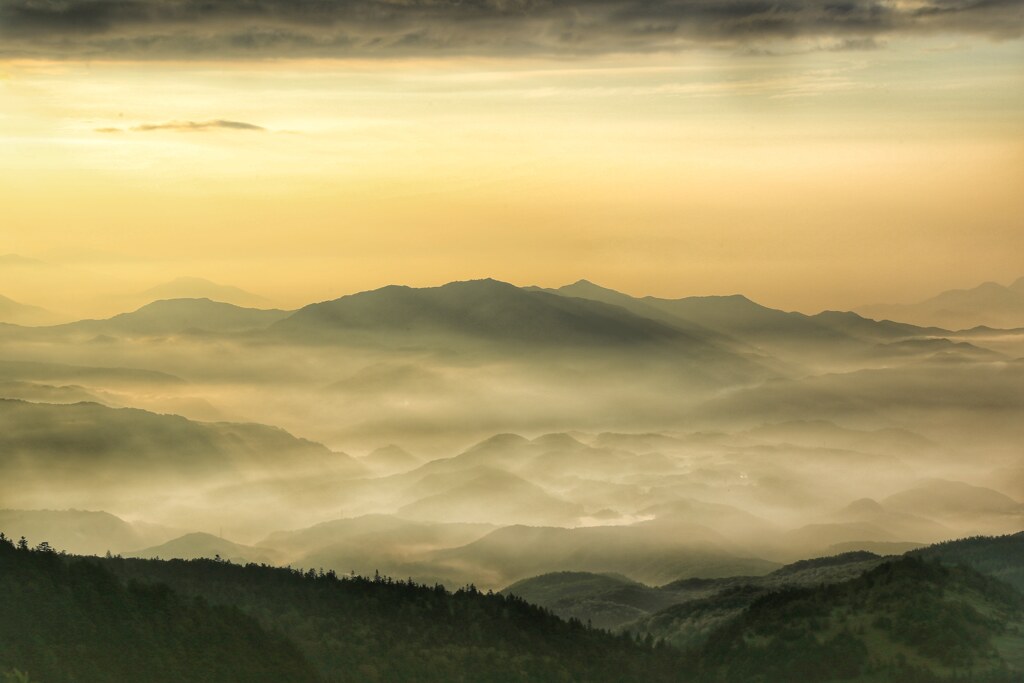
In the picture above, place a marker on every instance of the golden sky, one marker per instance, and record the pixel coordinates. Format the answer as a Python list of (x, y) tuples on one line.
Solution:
[(805, 171)]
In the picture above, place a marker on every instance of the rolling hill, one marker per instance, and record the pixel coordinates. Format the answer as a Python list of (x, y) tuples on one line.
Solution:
[(906, 619)]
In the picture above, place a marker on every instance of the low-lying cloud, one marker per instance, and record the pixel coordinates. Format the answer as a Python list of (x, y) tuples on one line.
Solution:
[(185, 126), (393, 28)]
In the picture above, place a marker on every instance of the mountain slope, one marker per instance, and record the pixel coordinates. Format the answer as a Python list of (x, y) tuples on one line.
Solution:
[(906, 619), (681, 612), (72, 620), (359, 630), (604, 600), (1001, 557)]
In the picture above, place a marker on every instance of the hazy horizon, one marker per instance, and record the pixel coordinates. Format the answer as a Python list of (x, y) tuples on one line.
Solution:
[(100, 293), (806, 156)]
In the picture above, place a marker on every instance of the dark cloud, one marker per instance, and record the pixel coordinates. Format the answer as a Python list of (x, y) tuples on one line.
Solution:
[(185, 126), (367, 28)]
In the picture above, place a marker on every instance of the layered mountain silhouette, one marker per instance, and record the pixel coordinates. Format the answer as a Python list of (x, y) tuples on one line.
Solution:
[(86, 451), (989, 304), (202, 545), (178, 316), (480, 310), (18, 313), (790, 336), (83, 532)]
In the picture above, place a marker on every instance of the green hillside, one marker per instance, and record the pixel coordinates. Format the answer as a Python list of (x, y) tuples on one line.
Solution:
[(93, 620), (1001, 556), (906, 620), (72, 621)]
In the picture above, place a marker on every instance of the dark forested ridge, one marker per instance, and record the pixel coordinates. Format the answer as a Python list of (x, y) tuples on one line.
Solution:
[(908, 619), (65, 619), (999, 556), (84, 619), (73, 619)]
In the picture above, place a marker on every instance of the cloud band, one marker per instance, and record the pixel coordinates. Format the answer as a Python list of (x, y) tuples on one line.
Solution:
[(387, 28)]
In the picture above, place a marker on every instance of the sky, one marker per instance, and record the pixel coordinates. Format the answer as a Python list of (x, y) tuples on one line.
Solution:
[(810, 155)]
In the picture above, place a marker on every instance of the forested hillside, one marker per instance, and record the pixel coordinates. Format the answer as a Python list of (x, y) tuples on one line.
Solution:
[(95, 620), (906, 620), (70, 620)]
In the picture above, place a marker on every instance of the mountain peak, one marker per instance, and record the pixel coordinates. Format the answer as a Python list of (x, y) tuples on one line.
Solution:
[(485, 309), (201, 288), (586, 288)]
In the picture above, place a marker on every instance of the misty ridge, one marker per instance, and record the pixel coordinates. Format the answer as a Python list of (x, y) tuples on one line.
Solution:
[(485, 433)]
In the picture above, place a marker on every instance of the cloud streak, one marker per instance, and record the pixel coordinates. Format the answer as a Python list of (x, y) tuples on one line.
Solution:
[(185, 126), (182, 29)]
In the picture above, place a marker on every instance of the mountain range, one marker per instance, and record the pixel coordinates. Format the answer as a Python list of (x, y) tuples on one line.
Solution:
[(990, 304)]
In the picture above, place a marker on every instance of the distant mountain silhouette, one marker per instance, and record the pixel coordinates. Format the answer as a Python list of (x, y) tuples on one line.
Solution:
[(956, 499), (200, 288), (989, 304), (176, 316), (79, 531), (93, 447), (201, 545), (485, 310), (790, 336), (381, 542), (33, 371), (493, 496), (646, 553), (17, 313), (390, 459), (46, 393)]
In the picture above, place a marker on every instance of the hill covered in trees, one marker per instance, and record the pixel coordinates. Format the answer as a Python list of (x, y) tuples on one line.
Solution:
[(65, 620), (114, 619), (912, 618), (908, 619), (999, 556)]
